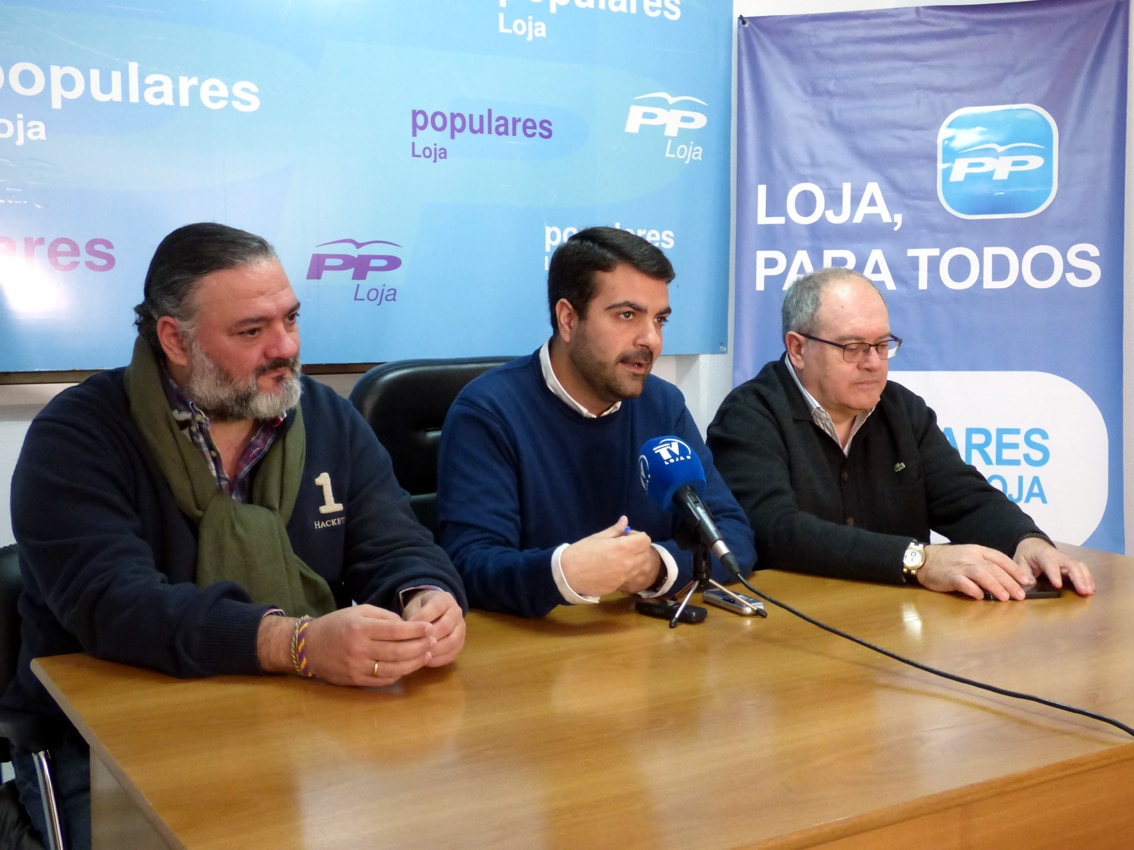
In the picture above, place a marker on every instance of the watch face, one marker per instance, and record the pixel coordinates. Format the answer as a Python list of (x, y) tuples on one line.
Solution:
[(914, 557)]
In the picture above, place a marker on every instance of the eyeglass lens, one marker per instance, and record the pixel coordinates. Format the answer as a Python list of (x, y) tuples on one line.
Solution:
[(855, 351)]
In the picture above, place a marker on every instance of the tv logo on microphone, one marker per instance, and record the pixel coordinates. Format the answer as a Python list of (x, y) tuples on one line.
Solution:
[(997, 161), (672, 450), (667, 450)]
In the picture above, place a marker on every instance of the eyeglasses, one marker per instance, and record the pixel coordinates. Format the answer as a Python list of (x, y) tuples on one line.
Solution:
[(856, 352)]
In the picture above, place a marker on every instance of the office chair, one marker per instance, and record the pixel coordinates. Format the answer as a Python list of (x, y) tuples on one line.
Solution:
[(405, 402), (25, 731)]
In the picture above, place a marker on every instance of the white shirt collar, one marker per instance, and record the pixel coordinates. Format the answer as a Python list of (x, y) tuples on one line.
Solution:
[(821, 417), (562, 394)]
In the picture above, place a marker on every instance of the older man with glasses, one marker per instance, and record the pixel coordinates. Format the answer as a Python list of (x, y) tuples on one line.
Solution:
[(843, 473)]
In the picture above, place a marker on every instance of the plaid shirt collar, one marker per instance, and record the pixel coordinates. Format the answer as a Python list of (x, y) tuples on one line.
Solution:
[(194, 423)]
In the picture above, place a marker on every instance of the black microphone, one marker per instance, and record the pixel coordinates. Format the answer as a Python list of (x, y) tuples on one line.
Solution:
[(673, 476)]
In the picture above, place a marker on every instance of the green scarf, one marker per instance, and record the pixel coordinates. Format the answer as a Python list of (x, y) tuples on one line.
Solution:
[(244, 543)]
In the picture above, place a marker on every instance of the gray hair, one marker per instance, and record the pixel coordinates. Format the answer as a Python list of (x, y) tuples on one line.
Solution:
[(801, 301), (184, 257)]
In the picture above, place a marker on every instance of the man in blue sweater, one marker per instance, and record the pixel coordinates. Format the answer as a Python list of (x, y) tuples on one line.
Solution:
[(208, 510), (538, 490)]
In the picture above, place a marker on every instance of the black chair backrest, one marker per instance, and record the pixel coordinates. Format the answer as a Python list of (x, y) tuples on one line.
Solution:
[(405, 402), (11, 583)]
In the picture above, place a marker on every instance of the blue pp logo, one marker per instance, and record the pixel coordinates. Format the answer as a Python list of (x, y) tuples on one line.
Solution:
[(997, 161)]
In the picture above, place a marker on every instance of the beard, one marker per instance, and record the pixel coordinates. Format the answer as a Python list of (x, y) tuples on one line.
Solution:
[(606, 379), (225, 399)]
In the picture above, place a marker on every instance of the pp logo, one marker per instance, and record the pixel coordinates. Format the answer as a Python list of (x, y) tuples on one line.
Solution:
[(997, 161), (673, 120), (360, 265)]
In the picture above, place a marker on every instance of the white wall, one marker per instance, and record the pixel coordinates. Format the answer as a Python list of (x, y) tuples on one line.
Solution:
[(704, 379)]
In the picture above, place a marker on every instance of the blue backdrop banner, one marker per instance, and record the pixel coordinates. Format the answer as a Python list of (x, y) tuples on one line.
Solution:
[(970, 160), (414, 163)]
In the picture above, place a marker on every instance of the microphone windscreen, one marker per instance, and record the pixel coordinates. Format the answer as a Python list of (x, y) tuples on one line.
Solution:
[(666, 464)]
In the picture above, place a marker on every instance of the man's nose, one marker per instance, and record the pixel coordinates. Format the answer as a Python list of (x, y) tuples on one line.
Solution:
[(284, 344), (651, 338)]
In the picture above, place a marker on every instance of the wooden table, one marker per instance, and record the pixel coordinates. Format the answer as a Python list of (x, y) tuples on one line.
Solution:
[(598, 727)]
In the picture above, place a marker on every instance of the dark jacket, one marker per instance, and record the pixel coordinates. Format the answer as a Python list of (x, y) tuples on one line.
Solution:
[(109, 561), (814, 509)]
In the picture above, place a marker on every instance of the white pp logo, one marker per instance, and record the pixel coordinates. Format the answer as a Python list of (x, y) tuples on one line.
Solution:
[(674, 120)]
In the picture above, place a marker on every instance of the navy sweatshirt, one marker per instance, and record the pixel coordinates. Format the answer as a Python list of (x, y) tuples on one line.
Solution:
[(109, 561)]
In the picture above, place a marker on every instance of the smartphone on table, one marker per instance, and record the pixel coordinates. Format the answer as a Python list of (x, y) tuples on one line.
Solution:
[(745, 606)]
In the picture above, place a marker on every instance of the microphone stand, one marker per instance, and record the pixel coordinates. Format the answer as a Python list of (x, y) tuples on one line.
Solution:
[(702, 573)]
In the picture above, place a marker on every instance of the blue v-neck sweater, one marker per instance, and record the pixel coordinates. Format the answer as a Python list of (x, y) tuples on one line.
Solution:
[(520, 473)]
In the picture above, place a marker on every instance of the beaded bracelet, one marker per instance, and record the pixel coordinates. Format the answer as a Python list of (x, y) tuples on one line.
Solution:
[(299, 648)]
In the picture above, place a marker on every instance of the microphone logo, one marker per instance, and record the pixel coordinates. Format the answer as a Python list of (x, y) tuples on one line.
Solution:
[(671, 450), (659, 467), (674, 478)]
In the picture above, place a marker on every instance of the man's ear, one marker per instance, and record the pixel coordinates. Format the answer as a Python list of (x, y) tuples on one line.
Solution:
[(567, 319), (173, 341), (794, 343)]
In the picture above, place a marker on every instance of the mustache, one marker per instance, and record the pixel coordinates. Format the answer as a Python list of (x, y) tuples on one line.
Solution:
[(643, 355), (291, 363)]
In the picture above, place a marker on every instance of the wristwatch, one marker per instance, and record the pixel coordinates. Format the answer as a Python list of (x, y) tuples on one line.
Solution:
[(912, 561), (659, 582)]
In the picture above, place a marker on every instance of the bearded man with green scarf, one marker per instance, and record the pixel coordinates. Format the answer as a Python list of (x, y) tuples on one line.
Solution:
[(208, 510)]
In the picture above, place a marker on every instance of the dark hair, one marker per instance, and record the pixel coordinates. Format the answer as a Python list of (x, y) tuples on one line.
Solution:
[(801, 301), (571, 274), (184, 257)]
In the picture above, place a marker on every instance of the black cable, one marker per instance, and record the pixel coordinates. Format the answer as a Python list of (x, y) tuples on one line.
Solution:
[(951, 676)]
